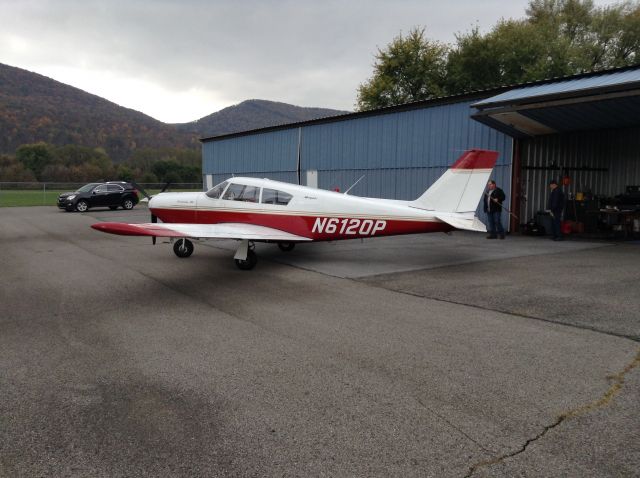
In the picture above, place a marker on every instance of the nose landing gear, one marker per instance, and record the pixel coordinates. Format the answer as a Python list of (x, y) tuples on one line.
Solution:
[(245, 257)]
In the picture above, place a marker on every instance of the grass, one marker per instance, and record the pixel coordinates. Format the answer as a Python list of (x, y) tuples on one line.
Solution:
[(25, 197), (28, 198)]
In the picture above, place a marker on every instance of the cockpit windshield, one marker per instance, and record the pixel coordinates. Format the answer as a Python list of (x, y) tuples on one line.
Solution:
[(232, 191), (216, 191)]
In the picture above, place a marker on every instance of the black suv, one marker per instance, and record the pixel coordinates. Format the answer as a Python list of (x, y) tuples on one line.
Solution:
[(110, 194)]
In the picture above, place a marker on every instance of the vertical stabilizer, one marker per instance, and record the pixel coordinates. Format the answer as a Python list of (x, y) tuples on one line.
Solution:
[(461, 187)]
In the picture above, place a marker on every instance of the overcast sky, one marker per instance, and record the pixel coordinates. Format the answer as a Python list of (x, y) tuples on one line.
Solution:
[(178, 61)]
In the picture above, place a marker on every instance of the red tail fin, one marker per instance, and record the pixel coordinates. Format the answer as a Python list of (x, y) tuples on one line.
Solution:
[(476, 159)]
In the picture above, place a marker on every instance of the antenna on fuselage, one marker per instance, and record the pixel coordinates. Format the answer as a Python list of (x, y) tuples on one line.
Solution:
[(353, 185)]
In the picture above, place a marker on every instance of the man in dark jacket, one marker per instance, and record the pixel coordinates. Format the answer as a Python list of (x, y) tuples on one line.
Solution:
[(555, 205), (493, 207)]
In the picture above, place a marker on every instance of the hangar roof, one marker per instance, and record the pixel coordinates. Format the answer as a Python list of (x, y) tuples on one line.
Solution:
[(477, 95), (600, 100)]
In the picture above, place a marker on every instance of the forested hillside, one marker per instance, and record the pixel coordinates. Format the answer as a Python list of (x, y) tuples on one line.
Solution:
[(50, 131), (253, 114), (34, 108)]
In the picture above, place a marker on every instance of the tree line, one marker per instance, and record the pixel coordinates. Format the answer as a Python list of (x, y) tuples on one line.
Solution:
[(72, 163), (556, 38)]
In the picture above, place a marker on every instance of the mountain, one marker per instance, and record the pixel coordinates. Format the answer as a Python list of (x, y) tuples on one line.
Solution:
[(35, 108), (253, 114)]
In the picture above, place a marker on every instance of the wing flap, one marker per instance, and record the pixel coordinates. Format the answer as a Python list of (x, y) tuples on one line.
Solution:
[(208, 231)]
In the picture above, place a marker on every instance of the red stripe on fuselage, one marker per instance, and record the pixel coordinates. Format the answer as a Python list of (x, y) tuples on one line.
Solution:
[(338, 227)]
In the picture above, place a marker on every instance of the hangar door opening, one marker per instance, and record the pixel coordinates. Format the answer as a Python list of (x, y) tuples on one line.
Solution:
[(593, 167), (581, 131)]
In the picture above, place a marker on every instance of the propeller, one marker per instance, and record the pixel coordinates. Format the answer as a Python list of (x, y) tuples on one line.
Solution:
[(154, 218)]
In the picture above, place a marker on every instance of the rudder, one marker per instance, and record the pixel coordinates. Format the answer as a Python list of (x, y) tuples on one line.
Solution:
[(460, 188)]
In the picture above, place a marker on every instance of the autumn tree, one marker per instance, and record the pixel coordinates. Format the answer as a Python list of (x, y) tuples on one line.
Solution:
[(35, 157), (14, 171), (411, 68), (556, 38)]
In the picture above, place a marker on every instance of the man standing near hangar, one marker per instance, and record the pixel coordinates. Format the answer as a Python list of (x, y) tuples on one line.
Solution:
[(555, 205), (494, 198)]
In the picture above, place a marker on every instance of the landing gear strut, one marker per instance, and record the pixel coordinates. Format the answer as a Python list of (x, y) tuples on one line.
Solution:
[(245, 257)]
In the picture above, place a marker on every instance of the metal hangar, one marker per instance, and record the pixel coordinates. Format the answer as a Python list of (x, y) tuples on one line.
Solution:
[(583, 129)]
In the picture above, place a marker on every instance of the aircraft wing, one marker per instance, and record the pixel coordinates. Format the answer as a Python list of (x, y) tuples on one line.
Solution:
[(229, 230)]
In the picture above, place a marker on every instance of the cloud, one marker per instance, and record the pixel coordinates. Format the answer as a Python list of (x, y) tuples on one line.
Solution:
[(165, 58)]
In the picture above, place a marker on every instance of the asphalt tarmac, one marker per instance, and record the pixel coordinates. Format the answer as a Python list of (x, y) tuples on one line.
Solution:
[(433, 355)]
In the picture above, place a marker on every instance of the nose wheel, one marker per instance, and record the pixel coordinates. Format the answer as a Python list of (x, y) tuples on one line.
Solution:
[(183, 248)]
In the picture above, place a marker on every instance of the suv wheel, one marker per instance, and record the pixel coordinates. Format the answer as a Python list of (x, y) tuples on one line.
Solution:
[(82, 206), (127, 204)]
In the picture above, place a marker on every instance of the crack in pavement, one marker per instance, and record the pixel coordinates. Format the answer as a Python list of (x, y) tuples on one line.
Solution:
[(607, 397)]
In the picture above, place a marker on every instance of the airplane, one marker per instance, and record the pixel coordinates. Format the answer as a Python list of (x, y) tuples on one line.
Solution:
[(254, 210)]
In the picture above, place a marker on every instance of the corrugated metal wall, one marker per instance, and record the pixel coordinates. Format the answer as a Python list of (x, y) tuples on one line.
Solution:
[(400, 153), (273, 155), (602, 162)]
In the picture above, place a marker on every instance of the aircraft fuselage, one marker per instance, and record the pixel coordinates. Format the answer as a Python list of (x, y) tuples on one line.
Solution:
[(316, 214)]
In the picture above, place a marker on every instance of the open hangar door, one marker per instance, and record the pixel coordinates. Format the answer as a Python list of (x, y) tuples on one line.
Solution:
[(582, 131)]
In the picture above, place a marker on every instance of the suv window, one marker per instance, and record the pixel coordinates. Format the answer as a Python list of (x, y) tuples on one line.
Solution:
[(114, 188), (87, 187), (273, 196), (240, 192), (216, 191), (101, 189)]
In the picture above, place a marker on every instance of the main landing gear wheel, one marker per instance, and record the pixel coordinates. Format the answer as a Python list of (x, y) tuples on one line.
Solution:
[(183, 248), (249, 263), (286, 246)]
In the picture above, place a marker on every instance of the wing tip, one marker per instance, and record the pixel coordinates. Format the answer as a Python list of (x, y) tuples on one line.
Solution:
[(121, 229)]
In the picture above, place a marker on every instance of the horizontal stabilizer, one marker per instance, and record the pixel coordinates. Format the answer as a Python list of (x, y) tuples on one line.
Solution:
[(466, 222)]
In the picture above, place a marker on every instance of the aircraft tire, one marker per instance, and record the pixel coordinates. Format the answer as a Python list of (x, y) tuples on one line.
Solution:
[(183, 248), (286, 246), (250, 263)]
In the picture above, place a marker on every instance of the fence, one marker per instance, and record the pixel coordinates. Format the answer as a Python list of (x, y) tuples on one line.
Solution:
[(46, 194)]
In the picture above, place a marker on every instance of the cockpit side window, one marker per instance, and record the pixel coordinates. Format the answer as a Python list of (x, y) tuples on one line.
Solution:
[(273, 196), (216, 191), (240, 192), (250, 194)]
